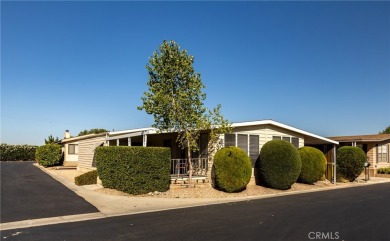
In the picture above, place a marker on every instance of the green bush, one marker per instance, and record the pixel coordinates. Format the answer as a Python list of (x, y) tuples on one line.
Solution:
[(88, 178), (233, 169), (48, 155), (313, 165), (279, 164), (134, 169), (350, 162), (384, 170), (17, 152)]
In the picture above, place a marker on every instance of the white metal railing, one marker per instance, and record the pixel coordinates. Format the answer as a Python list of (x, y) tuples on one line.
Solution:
[(180, 167)]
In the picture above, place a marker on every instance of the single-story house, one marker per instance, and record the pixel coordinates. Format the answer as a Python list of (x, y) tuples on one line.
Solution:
[(376, 147), (79, 151), (249, 136)]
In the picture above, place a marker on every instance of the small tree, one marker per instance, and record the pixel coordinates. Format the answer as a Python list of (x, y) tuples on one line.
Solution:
[(217, 125), (175, 97), (385, 131), (51, 140), (92, 131)]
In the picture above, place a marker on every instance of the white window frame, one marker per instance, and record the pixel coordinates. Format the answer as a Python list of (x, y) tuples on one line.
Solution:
[(382, 151)]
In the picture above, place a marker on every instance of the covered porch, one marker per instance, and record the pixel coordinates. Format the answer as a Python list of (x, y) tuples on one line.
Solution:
[(149, 137)]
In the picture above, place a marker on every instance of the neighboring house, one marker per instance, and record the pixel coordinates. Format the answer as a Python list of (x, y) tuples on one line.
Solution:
[(249, 136), (376, 147), (79, 151)]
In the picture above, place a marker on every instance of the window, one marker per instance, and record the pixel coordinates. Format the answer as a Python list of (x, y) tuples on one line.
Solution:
[(382, 153), (251, 148), (73, 149), (295, 141), (230, 140), (292, 140), (242, 142), (254, 150)]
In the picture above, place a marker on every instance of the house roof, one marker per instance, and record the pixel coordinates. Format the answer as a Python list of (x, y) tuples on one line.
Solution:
[(77, 138), (362, 138), (310, 137)]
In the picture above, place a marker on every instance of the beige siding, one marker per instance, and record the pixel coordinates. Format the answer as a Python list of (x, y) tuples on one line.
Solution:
[(266, 132), (87, 151)]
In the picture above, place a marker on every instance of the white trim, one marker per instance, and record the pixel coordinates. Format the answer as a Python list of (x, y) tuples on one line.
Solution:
[(149, 129)]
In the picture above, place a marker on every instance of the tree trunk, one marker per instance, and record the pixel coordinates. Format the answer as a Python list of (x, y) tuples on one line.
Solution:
[(189, 163)]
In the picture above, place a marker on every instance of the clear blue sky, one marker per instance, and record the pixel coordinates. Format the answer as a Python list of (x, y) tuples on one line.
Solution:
[(323, 67)]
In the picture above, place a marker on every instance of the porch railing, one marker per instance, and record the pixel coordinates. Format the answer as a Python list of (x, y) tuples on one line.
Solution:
[(180, 167)]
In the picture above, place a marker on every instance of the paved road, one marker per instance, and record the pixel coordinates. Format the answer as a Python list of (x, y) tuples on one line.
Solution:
[(29, 193), (360, 213)]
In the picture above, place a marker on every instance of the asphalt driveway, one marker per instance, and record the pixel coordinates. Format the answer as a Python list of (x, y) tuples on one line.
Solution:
[(29, 193)]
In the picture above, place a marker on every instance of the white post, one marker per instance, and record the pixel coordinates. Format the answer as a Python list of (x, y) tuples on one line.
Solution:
[(145, 140), (117, 142), (334, 163), (129, 141)]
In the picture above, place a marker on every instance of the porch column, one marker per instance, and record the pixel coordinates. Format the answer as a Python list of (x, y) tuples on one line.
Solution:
[(117, 142), (129, 141), (144, 140), (334, 163)]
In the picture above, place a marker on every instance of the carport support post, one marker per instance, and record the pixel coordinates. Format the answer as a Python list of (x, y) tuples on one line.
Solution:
[(334, 163), (144, 140)]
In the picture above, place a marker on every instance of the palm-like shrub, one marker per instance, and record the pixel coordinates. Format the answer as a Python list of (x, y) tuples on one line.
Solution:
[(48, 155), (313, 165), (279, 164), (350, 162), (233, 169)]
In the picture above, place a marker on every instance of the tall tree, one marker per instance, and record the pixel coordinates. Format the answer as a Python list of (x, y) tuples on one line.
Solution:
[(92, 131), (51, 140), (175, 97), (385, 131)]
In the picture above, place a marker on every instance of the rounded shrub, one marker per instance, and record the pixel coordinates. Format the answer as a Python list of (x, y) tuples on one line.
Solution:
[(48, 155), (233, 169), (313, 165), (87, 178), (279, 164), (350, 162)]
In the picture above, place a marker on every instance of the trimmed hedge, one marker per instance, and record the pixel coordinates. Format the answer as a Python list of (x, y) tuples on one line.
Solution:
[(87, 178), (350, 162), (233, 169), (134, 169), (17, 152), (384, 170), (48, 155), (313, 165), (279, 164)]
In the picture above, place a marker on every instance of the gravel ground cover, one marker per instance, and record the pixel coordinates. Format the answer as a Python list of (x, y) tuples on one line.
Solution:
[(203, 191)]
